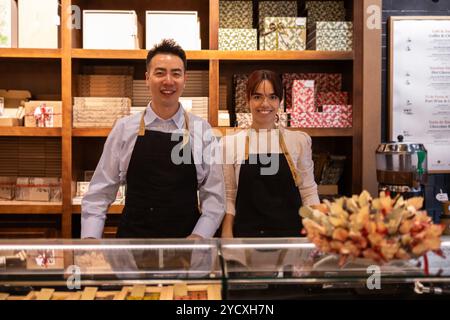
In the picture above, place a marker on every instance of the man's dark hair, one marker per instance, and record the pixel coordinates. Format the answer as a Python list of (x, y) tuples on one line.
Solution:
[(167, 46)]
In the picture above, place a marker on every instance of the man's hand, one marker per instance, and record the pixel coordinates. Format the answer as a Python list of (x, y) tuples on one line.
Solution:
[(194, 237)]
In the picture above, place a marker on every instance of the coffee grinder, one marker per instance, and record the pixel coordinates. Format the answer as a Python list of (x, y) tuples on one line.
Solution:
[(402, 168)]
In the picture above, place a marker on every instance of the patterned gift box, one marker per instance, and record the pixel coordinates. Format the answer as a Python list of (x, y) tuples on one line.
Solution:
[(303, 97), (337, 108), (324, 11), (244, 120), (235, 14), (322, 81), (331, 98), (331, 36), (276, 9), (240, 98), (283, 33), (336, 120), (237, 39), (308, 120)]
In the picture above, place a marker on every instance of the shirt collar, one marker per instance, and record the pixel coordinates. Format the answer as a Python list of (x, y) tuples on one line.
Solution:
[(177, 118)]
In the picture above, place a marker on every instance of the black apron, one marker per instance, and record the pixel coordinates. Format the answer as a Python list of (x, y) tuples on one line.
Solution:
[(161, 197), (267, 205)]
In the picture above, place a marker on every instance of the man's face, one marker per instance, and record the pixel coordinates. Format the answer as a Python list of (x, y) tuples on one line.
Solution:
[(165, 77)]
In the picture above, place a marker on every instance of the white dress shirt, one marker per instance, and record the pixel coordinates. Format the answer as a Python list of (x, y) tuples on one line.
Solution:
[(112, 169), (298, 145)]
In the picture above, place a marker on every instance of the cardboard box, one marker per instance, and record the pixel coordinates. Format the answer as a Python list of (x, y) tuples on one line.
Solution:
[(45, 259), (38, 189), (38, 24), (8, 24), (283, 33), (7, 188), (43, 114), (99, 112), (166, 25), (307, 120), (238, 39), (111, 29), (303, 97), (105, 85), (10, 122), (275, 9), (236, 14), (14, 98)]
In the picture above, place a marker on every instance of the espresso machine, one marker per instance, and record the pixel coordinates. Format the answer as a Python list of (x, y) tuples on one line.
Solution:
[(402, 168)]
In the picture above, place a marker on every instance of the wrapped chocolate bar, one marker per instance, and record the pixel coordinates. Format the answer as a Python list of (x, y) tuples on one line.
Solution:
[(7, 188), (235, 14), (237, 39), (38, 189), (283, 33), (381, 229)]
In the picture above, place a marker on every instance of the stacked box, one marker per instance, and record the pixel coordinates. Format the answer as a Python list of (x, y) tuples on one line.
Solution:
[(244, 120), (283, 33), (99, 112), (308, 120), (7, 188), (237, 39), (196, 105), (141, 93), (331, 36), (43, 114), (275, 9), (105, 85), (240, 95), (235, 14), (303, 97), (322, 82), (38, 189), (331, 98), (337, 116), (324, 11)]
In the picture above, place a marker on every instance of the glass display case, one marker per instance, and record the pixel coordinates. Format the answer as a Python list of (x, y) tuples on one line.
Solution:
[(179, 269)]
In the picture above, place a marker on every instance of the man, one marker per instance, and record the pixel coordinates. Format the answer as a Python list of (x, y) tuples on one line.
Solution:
[(144, 150)]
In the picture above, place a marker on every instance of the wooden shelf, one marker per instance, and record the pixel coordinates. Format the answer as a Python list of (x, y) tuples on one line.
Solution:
[(114, 209), (30, 207), (90, 132), (218, 55), (30, 132), (30, 53), (313, 132)]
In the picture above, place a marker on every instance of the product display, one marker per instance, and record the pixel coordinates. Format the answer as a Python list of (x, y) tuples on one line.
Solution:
[(8, 24), (99, 112), (111, 29), (235, 14), (43, 114), (38, 189), (165, 25), (331, 36), (324, 11), (275, 9), (283, 33), (38, 24), (237, 39), (105, 85)]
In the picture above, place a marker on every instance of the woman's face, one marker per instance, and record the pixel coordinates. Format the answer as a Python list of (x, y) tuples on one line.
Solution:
[(264, 105)]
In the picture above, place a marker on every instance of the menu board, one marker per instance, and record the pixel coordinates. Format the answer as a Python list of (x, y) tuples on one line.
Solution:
[(420, 85)]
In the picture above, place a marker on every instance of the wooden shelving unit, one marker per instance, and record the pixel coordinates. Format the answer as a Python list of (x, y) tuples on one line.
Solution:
[(361, 86)]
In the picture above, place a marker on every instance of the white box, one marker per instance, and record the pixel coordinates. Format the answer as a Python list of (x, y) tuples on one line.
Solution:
[(38, 24), (182, 26), (8, 24), (111, 29)]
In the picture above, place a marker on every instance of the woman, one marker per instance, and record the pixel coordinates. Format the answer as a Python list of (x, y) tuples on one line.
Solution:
[(269, 173)]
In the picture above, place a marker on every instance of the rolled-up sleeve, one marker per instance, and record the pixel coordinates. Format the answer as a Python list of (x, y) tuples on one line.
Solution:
[(305, 168), (103, 186), (211, 191)]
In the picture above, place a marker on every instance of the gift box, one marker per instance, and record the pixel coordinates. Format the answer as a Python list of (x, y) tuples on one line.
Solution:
[(43, 114), (235, 14), (324, 11), (99, 112), (337, 108), (38, 189), (283, 33), (244, 120), (237, 39), (303, 97), (331, 36), (307, 120), (275, 9), (336, 120), (8, 24), (105, 85), (224, 118), (322, 82), (38, 24), (7, 188), (240, 95), (331, 98)]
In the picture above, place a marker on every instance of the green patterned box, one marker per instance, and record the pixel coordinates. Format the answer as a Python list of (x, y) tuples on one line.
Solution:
[(237, 39), (276, 9), (235, 14), (331, 36), (283, 33)]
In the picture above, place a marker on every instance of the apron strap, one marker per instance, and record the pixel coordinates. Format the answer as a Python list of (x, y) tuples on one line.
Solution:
[(286, 153), (141, 131)]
